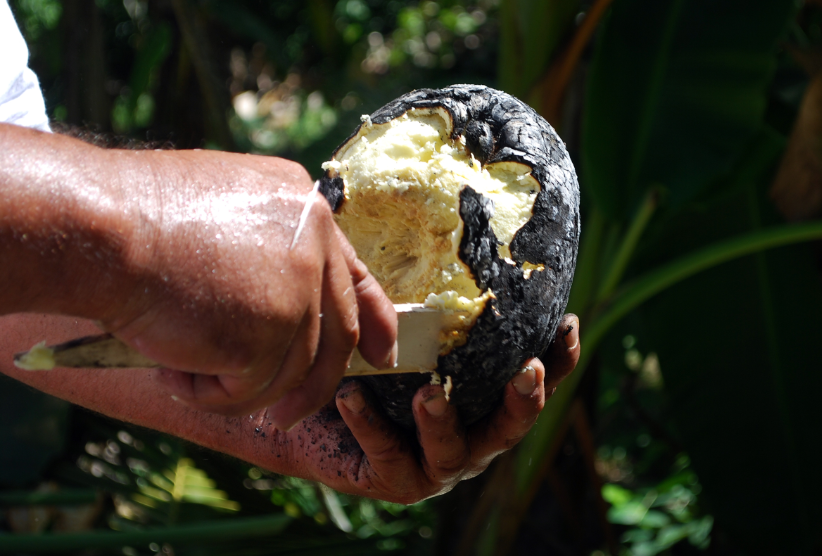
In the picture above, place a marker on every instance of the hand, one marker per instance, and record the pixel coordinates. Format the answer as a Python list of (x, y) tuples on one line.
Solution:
[(241, 318), (358, 451), (352, 450), (190, 256)]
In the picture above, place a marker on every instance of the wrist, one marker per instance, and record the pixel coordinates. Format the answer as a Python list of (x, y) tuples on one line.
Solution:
[(65, 227)]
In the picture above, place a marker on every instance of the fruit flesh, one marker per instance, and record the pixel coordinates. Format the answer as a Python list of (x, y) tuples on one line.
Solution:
[(401, 210)]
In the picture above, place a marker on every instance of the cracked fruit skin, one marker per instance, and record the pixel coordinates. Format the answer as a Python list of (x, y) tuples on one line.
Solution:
[(463, 188)]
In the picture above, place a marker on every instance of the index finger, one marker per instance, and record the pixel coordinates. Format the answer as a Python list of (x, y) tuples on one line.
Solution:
[(378, 319), (523, 400)]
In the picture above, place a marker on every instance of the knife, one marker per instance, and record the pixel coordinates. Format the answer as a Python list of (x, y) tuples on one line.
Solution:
[(419, 334)]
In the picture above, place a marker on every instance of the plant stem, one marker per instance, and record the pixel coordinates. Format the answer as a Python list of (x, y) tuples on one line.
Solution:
[(662, 278), (535, 445), (204, 532), (585, 276), (779, 370), (556, 79), (628, 245)]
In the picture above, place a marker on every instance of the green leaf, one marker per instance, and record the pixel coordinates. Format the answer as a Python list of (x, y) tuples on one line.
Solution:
[(630, 513), (616, 495), (676, 91), (738, 347), (655, 520)]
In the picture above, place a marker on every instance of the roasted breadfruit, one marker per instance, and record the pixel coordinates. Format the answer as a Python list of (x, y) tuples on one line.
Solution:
[(462, 198)]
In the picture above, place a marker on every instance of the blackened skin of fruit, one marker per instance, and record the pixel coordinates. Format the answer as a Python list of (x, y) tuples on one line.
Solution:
[(479, 139), (521, 321), (333, 189)]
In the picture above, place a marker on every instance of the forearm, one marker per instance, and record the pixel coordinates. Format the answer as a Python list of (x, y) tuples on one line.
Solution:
[(130, 395), (64, 231)]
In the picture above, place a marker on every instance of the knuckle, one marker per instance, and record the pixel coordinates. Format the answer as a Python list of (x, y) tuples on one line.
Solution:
[(350, 328), (295, 379), (297, 170), (364, 282), (308, 266), (515, 437), (322, 214), (389, 451), (453, 465), (320, 393), (512, 441), (362, 277)]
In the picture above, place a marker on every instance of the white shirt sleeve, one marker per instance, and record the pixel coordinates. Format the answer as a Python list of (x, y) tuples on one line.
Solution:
[(21, 101)]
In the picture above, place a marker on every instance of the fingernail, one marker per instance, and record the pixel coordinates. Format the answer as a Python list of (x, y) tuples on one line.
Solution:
[(436, 405), (393, 357), (525, 381), (572, 333), (353, 401)]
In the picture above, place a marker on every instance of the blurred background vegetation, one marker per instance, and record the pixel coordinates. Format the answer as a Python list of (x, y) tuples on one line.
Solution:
[(690, 426)]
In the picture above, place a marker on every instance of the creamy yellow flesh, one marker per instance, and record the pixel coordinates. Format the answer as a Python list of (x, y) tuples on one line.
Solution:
[(401, 213)]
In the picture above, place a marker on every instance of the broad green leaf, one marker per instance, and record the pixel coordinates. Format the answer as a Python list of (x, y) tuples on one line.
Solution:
[(676, 90), (738, 347)]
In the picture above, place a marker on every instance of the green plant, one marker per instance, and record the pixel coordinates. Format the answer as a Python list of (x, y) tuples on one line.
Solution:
[(676, 113), (676, 156)]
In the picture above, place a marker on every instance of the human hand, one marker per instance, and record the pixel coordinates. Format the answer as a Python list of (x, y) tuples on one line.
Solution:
[(218, 295), (356, 450), (187, 256)]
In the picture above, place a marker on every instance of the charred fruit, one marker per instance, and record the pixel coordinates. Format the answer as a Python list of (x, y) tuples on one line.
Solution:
[(462, 197)]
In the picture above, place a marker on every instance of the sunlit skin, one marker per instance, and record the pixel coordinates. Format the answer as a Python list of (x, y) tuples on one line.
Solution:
[(353, 450), (186, 255)]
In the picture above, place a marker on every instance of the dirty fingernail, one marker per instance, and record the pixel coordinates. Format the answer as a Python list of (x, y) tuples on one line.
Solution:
[(436, 405), (525, 381), (353, 402), (572, 333)]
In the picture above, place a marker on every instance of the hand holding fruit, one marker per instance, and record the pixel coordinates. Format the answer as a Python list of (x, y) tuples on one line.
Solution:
[(187, 256)]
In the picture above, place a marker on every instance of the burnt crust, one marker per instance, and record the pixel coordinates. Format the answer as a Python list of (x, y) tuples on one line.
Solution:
[(521, 320)]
